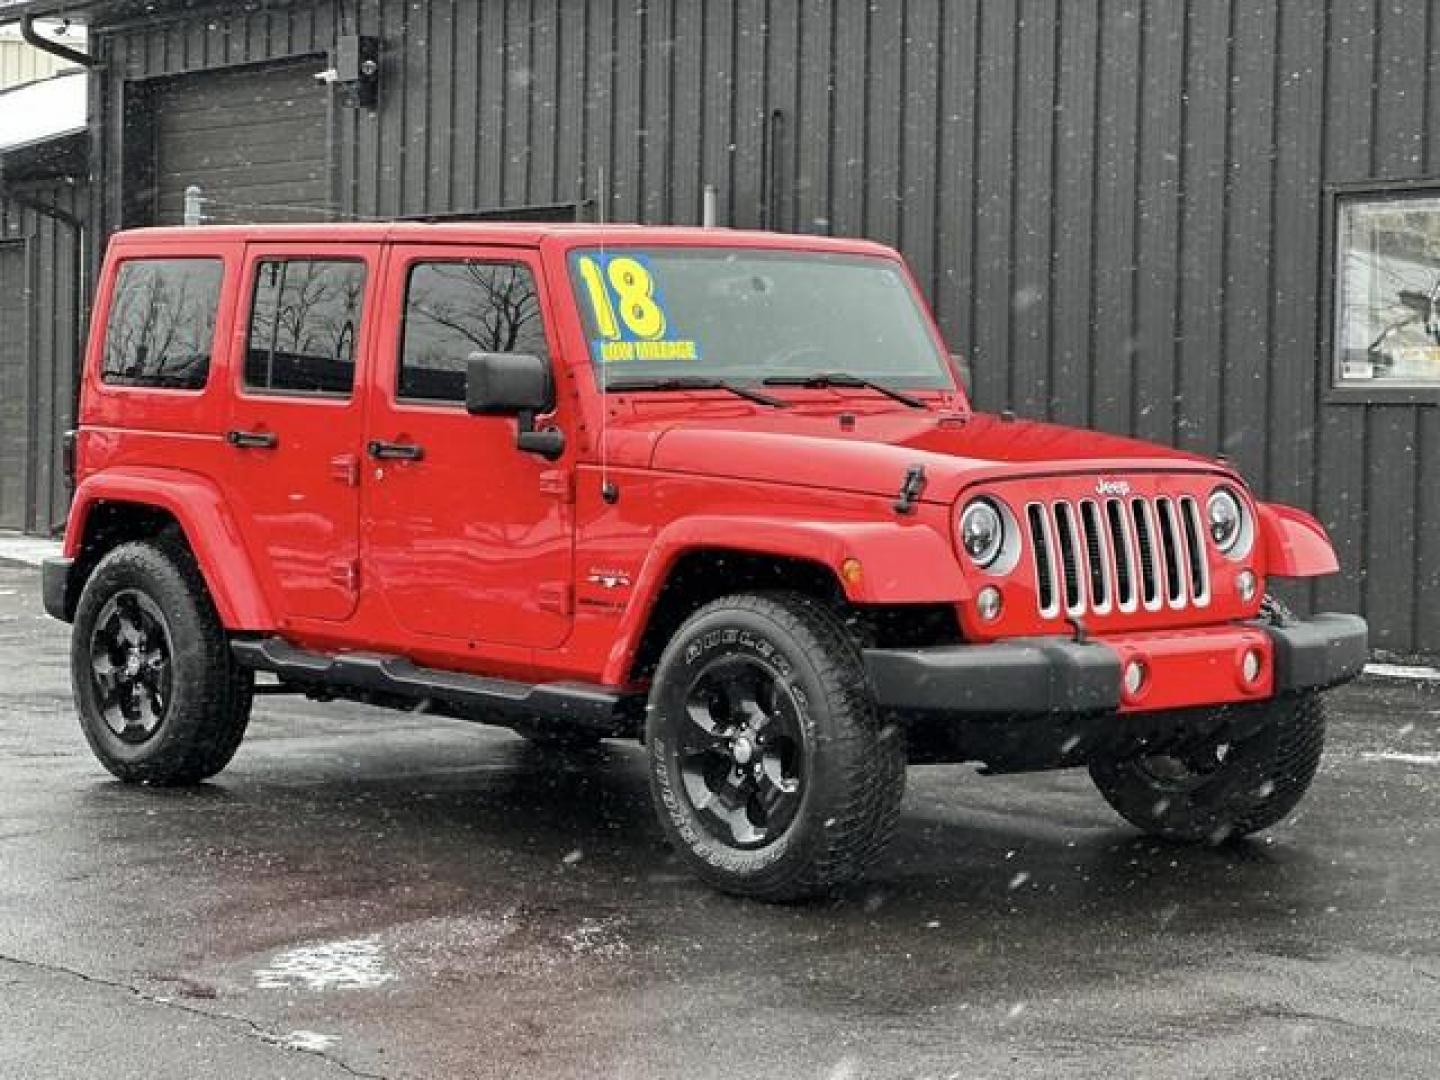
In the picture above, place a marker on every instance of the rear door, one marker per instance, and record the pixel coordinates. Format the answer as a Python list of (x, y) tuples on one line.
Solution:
[(297, 420)]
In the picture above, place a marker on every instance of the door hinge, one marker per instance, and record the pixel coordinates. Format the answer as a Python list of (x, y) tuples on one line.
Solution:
[(346, 574), (346, 469), (557, 596), (559, 484)]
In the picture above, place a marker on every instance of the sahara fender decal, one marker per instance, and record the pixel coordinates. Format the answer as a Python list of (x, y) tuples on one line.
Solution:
[(197, 505), (1294, 544), (909, 564)]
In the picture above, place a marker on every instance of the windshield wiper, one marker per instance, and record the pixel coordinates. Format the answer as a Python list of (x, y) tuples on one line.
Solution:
[(822, 380), (693, 382)]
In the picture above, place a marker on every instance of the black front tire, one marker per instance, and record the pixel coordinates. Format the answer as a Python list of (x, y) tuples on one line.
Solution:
[(813, 794), (160, 697), (1251, 774)]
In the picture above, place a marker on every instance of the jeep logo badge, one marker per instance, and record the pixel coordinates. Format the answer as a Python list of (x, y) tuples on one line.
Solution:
[(1112, 487)]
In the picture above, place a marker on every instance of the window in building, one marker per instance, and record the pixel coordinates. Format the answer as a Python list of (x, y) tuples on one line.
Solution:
[(453, 309), (162, 323), (1387, 298), (303, 326)]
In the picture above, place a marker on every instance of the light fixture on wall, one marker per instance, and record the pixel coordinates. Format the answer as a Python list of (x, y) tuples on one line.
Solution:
[(354, 71)]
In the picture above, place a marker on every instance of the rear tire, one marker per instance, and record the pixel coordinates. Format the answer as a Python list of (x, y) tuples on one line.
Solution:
[(771, 771), (1229, 786), (161, 700)]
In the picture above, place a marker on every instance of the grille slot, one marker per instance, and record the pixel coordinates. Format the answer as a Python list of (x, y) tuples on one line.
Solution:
[(1092, 556), (1044, 567), (1065, 535), (1096, 557), (1120, 544)]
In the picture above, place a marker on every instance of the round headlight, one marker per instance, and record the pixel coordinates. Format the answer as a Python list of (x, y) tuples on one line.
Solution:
[(1225, 520), (982, 532)]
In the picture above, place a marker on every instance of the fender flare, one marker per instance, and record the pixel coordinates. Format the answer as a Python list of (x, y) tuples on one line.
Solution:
[(1293, 543), (208, 526), (901, 564)]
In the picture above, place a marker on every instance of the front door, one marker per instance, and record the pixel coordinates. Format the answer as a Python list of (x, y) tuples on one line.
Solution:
[(468, 538), (297, 420)]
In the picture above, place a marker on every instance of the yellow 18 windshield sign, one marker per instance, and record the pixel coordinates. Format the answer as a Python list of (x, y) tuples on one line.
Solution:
[(629, 312)]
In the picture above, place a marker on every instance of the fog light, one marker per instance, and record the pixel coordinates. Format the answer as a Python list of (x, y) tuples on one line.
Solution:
[(1251, 665), (989, 603), (1245, 582), (1134, 677)]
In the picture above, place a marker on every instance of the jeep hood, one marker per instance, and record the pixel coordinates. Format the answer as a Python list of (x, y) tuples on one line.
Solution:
[(872, 457)]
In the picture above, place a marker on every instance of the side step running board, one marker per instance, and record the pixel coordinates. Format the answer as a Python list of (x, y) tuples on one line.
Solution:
[(471, 696)]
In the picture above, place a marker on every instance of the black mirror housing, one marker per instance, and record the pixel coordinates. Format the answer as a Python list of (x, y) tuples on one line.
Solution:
[(518, 385), (507, 384)]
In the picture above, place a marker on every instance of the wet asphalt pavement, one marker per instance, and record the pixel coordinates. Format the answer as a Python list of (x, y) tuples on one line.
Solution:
[(380, 894)]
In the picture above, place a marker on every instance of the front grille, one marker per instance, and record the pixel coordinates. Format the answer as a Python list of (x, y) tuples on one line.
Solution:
[(1096, 556)]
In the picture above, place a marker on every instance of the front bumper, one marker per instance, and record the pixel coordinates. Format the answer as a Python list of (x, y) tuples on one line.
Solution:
[(1182, 668)]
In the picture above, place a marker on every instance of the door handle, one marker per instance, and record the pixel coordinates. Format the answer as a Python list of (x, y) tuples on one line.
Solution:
[(389, 451), (253, 440)]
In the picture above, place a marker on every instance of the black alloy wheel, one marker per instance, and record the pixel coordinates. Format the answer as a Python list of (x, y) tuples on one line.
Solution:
[(741, 754), (130, 665)]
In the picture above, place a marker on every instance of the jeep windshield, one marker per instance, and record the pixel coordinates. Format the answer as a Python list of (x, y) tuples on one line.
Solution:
[(671, 315)]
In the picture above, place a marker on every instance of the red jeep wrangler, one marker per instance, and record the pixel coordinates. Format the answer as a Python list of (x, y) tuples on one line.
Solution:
[(719, 490)]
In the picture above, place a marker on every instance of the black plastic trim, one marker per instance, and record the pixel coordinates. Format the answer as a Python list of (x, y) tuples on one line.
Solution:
[(583, 704), (55, 587), (1325, 650), (1022, 676)]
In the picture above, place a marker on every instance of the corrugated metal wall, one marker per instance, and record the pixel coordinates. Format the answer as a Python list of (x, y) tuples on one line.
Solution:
[(1116, 205), (31, 444)]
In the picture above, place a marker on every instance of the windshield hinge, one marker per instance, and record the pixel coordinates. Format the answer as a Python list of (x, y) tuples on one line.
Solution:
[(910, 489)]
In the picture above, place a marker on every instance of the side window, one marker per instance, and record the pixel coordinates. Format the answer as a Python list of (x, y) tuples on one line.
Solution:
[(453, 309), (303, 324), (162, 323)]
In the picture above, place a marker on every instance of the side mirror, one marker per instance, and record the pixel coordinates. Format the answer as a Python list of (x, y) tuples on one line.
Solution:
[(518, 385), (506, 384), (962, 368)]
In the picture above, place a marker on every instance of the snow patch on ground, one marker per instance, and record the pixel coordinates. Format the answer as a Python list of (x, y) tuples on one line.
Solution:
[(1415, 672), (598, 937), (26, 550), (1403, 758), (312, 1042), (356, 964)]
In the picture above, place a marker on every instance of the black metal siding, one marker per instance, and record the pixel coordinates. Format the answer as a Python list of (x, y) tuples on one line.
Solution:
[(1116, 206), (44, 255)]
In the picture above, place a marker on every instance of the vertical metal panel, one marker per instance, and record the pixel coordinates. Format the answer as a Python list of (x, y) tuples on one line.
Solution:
[(1340, 480), (1033, 200), (1113, 260), (994, 186), (16, 395), (1075, 224), (1154, 413), (39, 259)]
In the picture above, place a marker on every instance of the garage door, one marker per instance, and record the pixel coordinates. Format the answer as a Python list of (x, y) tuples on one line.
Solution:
[(253, 140), (14, 387)]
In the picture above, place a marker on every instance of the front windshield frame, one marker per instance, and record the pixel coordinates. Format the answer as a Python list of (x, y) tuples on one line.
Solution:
[(929, 352)]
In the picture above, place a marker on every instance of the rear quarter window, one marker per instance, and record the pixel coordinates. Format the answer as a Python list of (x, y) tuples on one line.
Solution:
[(161, 328)]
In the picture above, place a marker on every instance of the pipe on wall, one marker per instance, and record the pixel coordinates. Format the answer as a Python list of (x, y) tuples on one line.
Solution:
[(37, 40)]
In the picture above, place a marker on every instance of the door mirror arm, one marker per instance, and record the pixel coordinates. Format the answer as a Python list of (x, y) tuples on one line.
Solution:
[(549, 443)]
